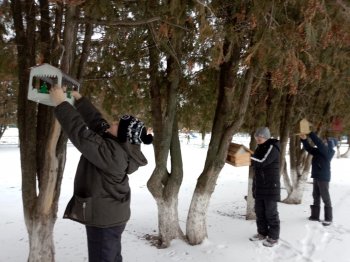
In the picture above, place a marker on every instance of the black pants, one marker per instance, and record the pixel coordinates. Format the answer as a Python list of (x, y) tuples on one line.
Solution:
[(267, 219), (321, 190), (104, 244)]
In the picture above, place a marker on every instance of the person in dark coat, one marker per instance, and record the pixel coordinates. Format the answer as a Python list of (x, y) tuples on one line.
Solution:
[(322, 155), (266, 187), (101, 198)]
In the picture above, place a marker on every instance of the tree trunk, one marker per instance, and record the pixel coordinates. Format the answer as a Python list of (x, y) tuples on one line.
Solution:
[(2, 130), (294, 183), (44, 216), (163, 185), (167, 203), (250, 212), (224, 126), (295, 196), (26, 114), (169, 227), (286, 179), (196, 226), (203, 139), (347, 153), (85, 51), (288, 102), (42, 147), (299, 172)]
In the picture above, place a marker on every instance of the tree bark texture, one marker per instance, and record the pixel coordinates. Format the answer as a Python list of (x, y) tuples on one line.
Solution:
[(42, 146), (288, 109), (250, 211), (224, 126), (295, 182), (347, 153), (163, 185), (299, 171), (2, 130)]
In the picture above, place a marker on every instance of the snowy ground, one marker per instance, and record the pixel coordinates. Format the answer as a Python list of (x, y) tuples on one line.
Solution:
[(228, 230)]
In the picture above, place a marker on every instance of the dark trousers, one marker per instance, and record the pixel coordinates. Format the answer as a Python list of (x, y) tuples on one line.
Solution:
[(104, 244), (267, 219), (321, 190)]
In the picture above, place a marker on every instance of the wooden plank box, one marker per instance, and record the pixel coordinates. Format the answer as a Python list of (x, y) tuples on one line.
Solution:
[(304, 126), (238, 155)]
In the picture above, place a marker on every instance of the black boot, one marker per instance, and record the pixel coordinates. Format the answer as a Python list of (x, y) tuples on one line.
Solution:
[(328, 216), (315, 213)]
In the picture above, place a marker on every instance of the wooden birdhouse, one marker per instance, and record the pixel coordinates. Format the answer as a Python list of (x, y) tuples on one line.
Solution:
[(304, 126), (43, 77), (238, 155)]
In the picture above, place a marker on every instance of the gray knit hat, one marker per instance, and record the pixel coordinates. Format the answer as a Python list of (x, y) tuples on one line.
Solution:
[(263, 132)]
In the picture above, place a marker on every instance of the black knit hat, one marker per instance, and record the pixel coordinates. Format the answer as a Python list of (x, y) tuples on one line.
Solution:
[(133, 130)]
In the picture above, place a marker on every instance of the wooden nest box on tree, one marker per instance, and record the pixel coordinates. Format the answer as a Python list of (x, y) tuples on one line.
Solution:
[(304, 126), (238, 155), (43, 77)]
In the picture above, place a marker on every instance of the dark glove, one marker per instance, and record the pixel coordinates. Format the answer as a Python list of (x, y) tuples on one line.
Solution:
[(100, 127)]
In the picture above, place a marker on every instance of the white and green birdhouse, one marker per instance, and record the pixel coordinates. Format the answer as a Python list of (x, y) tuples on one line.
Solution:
[(43, 77)]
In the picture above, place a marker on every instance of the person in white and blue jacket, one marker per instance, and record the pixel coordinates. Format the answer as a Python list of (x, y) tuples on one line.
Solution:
[(266, 187), (322, 155)]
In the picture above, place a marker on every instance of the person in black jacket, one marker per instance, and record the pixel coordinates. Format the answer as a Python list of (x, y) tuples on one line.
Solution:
[(322, 155), (101, 199), (266, 187)]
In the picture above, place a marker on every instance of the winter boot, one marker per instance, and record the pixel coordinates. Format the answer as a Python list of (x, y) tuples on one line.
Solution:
[(269, 242), (315, 213), (328, 216), (257, 237)]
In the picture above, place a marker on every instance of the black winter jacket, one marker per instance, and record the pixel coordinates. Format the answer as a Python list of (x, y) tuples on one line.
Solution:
[(266, 164), (322, 155), (101, 185)]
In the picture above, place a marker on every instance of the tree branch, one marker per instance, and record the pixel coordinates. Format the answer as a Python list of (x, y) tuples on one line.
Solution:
[(118, 23), (206, 6)]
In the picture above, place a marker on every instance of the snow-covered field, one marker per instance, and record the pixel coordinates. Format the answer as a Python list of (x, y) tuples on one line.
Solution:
[(301, 240)]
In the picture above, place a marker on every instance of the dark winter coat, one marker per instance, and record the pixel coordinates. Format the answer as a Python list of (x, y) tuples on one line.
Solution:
[(266, 165), (101, 188), (322, 155)]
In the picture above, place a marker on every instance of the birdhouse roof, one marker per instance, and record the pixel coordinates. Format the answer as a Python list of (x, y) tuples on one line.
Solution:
[(239, 149), (46, 71)]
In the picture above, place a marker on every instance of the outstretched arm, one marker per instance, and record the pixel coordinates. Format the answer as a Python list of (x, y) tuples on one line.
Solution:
[(87, 110), (319, 143), (91, 115)]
